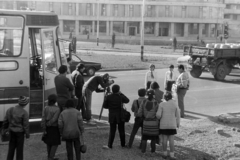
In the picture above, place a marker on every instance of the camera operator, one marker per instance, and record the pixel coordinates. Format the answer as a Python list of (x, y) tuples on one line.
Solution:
[(90, 86)]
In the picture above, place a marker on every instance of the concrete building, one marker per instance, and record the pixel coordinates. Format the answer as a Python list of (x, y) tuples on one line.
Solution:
[(163, 18)]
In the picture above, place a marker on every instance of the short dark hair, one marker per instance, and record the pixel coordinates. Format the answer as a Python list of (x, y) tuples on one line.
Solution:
[(181, 67), (115, 88), (141, 92), (69, 59), (52, 99), (62, 69), (168, 96), (171, 66), (154, 85), (69, 103), (80, 66), (150, 94)]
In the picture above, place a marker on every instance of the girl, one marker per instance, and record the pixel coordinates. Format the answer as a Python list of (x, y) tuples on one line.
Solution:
[(150, 76)]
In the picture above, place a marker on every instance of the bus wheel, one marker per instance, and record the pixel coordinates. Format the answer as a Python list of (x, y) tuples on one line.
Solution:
[(91, 71), (221, 72), (196, 71)]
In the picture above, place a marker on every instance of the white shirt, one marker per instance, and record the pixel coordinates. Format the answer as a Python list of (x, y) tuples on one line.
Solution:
[(168, 77), (148, 77), (183, 80)]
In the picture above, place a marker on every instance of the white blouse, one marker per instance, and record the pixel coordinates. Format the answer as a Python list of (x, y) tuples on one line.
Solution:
[(149, 78)]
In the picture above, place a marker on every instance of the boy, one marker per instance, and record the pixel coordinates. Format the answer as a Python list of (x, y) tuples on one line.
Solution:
[(138, 120)]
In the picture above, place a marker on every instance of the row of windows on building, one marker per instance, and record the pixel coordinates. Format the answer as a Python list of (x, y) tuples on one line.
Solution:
[(118, 10)]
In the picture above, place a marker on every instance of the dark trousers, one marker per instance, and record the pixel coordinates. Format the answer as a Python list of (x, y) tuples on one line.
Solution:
[(82, 106), (153, 143), (51, 151), (69, 146), (121, 130), (137, 124), (16, 143), (181, 94)]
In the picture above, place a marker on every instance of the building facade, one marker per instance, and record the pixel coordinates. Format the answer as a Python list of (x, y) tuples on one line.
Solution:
[(163, 18)]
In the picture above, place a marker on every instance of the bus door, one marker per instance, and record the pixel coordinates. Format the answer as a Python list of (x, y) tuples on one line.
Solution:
[(51, 60)]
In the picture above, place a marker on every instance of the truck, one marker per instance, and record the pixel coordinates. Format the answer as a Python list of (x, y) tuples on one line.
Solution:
[(218, 61)]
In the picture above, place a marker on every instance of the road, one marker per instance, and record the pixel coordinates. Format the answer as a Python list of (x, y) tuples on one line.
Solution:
[(206, 97)]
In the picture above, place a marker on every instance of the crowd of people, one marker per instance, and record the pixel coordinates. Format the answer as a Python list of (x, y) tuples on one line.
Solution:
[(156, 112)]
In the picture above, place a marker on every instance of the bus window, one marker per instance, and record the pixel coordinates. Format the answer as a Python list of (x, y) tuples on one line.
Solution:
[(11, 32)]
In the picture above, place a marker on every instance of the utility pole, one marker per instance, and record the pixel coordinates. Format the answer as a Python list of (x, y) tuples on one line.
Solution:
[(142, 30), (98, 12)]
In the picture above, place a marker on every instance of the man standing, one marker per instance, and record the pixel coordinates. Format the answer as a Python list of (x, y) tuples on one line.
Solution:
[(63, 86), (18, 124), (90, 86), (78, 82), (170, 78), (174, 43), (183, 85), (113, 40)]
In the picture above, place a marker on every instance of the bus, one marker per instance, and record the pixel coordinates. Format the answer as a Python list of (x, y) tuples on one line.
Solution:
[(30, 56)]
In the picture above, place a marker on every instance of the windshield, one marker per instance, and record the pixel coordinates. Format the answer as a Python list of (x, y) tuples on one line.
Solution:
[(11, 31)]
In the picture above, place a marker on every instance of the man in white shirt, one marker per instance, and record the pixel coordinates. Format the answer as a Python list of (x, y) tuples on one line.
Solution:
[(170, 78), (182, 85)]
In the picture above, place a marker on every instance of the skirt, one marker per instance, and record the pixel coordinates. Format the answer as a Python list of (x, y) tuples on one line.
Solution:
[(53, 136), (168, 132)]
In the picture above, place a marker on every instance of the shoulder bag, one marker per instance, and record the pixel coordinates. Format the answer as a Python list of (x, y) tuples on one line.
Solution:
[(5, 132), (150, 126), (125, 115)]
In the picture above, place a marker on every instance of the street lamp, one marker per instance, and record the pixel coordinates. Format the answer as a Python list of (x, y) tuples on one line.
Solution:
[(98, 22), (142, 30)]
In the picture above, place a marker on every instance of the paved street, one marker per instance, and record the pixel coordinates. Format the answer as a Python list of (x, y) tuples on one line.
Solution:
[(206, 96)]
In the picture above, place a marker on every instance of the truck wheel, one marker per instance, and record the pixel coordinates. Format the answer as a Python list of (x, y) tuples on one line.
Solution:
[(91, 71), (196, 71), (221, 72)]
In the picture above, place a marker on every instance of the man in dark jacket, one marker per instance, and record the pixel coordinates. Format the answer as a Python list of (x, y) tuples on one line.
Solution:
[(78, 82), (63, 86), (113, 103), (90, 86), (17, 120)]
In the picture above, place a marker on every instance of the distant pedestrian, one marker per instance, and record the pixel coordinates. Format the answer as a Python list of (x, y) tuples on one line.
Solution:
[(70, 124), (50, 126), (182, 83), (113, 40), (17, 120), (148, 109), (170, 78), (138, 121), (150, 76), (157, 92), (198, 38), (71, 35), (221, 38), (64, 87), (78, 82), (113, 103), (174, 43), (168, 113)]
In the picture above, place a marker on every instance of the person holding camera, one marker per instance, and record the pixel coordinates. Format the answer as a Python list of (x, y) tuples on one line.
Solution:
[(113, 103), (90, 86)]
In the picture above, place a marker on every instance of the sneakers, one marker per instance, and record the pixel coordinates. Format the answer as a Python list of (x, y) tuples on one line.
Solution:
[(91, 122), (106, 147)]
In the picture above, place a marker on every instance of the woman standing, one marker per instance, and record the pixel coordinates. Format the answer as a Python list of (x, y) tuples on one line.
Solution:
[(169, 115), (147, 110), (150, 76), (113, 103), (50, 126)]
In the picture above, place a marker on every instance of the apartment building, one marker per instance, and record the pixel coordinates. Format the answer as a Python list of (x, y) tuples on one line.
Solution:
[(163, 18)]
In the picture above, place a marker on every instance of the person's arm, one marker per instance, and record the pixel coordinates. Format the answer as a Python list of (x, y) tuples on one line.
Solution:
[(124, 98), (69, 85), (165, 80), (103, 85), (60, 124), (80, 122), (26, 124), (54, 118), (159, 111), (140, 110), (134, 105), (146, 80)]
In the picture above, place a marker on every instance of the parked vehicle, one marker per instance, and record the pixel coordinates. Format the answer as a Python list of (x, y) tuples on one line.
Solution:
[(218, 61)]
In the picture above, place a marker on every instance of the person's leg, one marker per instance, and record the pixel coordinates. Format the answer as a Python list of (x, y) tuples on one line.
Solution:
[(113, 127), (121, 130), (144, 144), (88, 95), (20, 143), (164, 144), (82, 107), (171, 144), (181, 94), (153, 144), (52, 152), (11, 146), (48, 150), (69, 147), (136, 126), (77, 148)]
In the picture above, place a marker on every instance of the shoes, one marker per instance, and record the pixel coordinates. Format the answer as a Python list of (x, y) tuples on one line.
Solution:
[(91, 122), (172, 158), (106, 147)]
